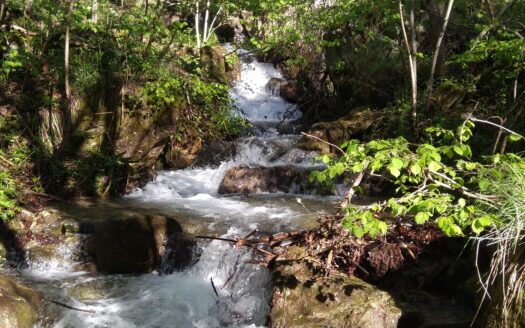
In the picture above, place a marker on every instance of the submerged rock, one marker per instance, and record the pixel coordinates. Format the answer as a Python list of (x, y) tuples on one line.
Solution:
[(20, 306), (138, 244), (300, 300), (337, 132), (250, 180)]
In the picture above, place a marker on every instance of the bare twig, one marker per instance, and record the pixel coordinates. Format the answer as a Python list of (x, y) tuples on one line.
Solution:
[(217, 238), (496, 125), (5, 160), (214, 288), (69, 306), (351, 191), (463, 190), (324, 141)]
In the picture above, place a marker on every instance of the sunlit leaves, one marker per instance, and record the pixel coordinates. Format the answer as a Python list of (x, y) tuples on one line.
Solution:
[(438, 180)]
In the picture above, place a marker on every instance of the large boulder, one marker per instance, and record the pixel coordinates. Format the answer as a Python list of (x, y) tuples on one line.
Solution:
[(139, 244), (249, 180), (300, 300), (20, 306), (337, 132)]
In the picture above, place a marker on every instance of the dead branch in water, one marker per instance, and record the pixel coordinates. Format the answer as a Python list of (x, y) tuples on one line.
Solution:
[(270, 241), (70, 307)]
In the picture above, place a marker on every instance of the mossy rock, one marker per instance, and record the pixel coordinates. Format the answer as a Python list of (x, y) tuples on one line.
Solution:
[(339, 131), (214, 63), (302, 300), (20, 306)]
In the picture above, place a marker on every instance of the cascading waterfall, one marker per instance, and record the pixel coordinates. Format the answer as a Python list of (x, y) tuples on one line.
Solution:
[(187, 299)]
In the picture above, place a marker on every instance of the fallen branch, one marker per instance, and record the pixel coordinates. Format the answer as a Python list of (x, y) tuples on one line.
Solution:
[(5, 160), (70, 307), (18, 29), (324, 141)]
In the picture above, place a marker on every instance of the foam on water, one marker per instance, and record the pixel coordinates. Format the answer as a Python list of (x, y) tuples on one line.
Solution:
[(185, 299), (253, 97)]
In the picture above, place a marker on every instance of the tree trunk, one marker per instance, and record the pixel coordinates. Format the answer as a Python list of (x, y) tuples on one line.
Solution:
[(412, 62), (197, 22), (94, 11), (206, 18), (436, 53), (2, 8), (211, 29), (67, 112)]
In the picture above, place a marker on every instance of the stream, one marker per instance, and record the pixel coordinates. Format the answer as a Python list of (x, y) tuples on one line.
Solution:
[(188, 298)]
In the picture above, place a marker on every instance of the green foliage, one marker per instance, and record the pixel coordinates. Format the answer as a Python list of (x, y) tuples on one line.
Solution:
[(208, 103), (434, 181), (14, 162), (9, 204)]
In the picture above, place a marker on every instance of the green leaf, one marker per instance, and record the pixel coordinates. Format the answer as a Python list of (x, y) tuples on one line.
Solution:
[(458, 150), (394, 171), (514, 137), (358, 231), (382, 227), (477, 227), (462, 202), (415, 169), (422, 217), (339, 168), (485, 220), (376, 165), (397, 163), (434, 166)]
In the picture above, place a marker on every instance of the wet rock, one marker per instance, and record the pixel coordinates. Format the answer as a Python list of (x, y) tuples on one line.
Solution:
[(289, 91), (180, 155), (337, 132), (299, 300), (20, 306), (249, 180), (274, 85), (284, 88), (215, 152), (139, 244)]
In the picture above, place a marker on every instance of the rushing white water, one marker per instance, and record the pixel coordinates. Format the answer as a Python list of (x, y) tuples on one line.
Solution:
[(253, 97), (188, 299), (185, 299)]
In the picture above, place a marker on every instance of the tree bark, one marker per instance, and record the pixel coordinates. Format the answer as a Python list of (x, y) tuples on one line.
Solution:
[(2, 8), (412, 62), (211, 29), (67, 113), (94, 11), (206, 18), (436, 53), (197, 21)]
